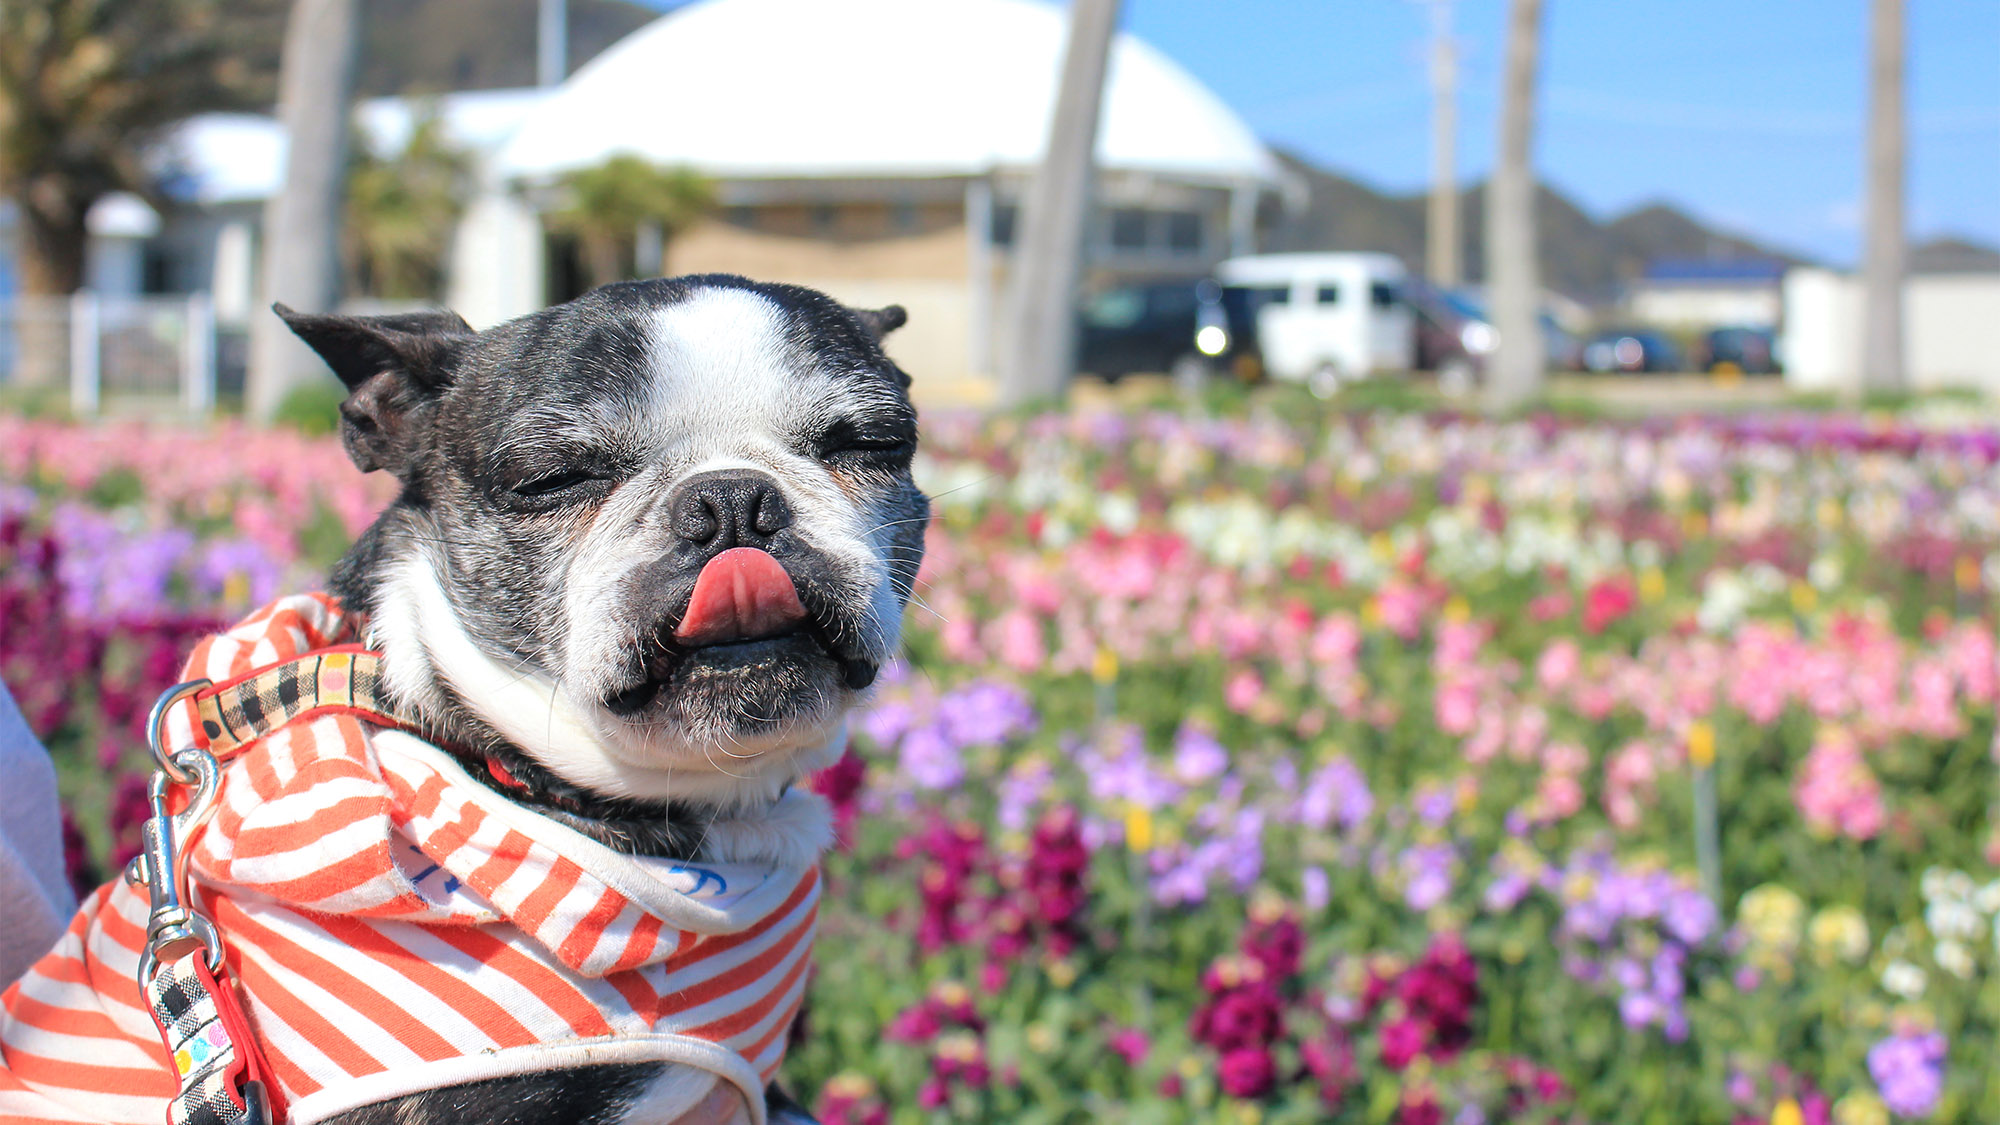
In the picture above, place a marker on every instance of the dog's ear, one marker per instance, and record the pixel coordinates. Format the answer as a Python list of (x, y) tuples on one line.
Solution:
[(391, 365), (880, 322)]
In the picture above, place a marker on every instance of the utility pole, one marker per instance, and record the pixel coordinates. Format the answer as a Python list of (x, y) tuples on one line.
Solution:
[(552, 43), (1047, 272), (1442, 250), (1884, 263)]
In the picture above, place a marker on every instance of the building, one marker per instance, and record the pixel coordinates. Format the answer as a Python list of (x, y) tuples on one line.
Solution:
[(1700, 295), (1951, 330), (872, 148), (877, 149)]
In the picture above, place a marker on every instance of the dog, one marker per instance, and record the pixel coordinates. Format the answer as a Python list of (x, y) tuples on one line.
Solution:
[(650, 547)]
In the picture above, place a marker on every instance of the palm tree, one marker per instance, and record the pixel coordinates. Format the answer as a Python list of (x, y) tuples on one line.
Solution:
[(606, 205), (302, 222), (1516, 372), (1048, 259), (1883, 266), (401, 212), (85, 87)]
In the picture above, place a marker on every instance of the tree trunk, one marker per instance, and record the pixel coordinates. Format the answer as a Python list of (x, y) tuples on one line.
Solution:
[(302, 222), (1040, 348), (1884, 264), (1515, 374), (51, 258)]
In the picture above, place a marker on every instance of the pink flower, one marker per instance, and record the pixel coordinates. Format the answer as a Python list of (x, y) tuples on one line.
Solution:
[(1130, 1044), (1247, 1072), (1402, 1041)]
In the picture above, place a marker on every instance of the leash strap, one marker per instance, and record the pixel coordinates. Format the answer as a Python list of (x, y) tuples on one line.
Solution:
[(223, 1076), (216, 1058)]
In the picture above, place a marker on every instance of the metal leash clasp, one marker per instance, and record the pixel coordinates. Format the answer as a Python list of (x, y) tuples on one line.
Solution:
[(162, 863)]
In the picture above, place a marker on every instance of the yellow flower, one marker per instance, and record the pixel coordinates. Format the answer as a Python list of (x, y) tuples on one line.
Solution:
[(1652, 584), (1694, 525), (1773, 916), (1104, 667), (1701, 745), (1804, 597), (1138, 828), (1041, 1039), (1190, 1067), (1967, 574), (1787, 1112), (1860, 1108), (1062, 972), (1838, 933), (1457, 611)]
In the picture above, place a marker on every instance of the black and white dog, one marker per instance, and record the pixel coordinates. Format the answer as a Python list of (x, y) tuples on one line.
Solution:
[(566, 477)]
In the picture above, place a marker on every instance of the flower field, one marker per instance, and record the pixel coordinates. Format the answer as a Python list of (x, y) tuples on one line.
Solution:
[(1295, 766)]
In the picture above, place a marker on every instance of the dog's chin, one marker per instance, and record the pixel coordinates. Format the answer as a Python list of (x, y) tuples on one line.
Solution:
[(731, 723)]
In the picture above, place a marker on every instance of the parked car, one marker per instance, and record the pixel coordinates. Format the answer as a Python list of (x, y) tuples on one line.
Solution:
[(1745, 351), (1139, 329), (1631, 349), (1455, 338), (1322, 319)]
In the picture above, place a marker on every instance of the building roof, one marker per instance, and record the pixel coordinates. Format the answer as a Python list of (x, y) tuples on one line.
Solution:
[(220, 158), (1740, 271), (870, 88)]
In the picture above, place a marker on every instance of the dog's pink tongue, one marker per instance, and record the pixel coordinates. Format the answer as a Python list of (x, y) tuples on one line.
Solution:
[(741, 594)]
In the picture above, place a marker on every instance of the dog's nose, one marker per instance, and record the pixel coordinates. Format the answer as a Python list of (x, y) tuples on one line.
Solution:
[(729, 508)]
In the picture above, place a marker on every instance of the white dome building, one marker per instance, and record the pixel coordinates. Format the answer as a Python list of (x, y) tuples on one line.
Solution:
[(875, 148)]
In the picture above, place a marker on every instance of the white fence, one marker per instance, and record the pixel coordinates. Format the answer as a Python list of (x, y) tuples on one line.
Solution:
[(106, 348)]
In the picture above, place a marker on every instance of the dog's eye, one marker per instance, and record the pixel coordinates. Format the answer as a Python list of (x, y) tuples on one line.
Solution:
[(560, 481)]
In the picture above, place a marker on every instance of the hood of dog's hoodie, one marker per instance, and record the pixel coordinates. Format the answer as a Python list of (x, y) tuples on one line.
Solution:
[(336, 815)]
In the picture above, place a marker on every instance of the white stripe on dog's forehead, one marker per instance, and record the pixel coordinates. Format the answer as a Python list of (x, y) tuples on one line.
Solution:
[(722, 368)]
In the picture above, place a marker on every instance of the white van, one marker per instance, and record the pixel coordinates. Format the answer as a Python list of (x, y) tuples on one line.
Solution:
[(1324, 319)]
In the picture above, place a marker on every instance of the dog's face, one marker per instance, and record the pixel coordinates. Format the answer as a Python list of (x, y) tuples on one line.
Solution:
[(660, 538)]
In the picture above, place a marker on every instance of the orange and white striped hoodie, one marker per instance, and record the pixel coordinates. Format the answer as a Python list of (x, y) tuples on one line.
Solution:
[(395, 925)]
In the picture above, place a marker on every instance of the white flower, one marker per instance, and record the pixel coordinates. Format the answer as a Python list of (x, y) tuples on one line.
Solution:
[(1954, 959), (1988, 898), (1904, 979), (1954, 918)]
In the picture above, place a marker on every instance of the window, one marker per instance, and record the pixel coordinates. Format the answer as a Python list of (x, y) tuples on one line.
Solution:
[(904, 217), (1382, 295), (1004, 217), (1329, 294), (1116, 308), (741, 216), (1184, 232), (1128, 228), (824, 218)]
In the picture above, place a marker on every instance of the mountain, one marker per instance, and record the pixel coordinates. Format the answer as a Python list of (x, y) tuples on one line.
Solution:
[(1580, 256), (431, 46), (1953, 255)]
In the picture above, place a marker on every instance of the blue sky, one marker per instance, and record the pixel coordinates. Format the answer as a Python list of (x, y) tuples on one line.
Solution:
[(1748, 113)]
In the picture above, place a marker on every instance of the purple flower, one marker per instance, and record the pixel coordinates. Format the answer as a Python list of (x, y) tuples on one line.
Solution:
[(1689, 916), (986, 713), (1428, 871), (1335, 792), (1433, 804), (1020, 791), (1313, 888), (931, 759), (1909, 1070), (1198, 757)]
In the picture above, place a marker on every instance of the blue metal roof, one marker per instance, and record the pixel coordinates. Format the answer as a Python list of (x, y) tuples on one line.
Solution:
[(1742, 270)]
